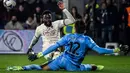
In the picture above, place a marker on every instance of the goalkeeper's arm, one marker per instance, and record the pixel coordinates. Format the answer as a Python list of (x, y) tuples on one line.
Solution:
[(92, 45), (101, 50)]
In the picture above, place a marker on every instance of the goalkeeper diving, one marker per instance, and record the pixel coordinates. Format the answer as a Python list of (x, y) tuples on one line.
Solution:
[(76, 46), (50, 31)]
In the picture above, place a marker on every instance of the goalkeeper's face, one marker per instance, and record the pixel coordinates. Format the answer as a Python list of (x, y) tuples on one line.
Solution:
[(47, 19)]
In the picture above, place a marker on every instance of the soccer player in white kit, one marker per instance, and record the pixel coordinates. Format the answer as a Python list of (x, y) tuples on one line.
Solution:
[(50, 31)]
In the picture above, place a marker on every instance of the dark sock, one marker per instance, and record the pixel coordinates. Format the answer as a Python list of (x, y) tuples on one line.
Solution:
[(94, 68)]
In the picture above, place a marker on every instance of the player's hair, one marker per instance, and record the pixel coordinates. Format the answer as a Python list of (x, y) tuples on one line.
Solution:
[(46, 12), (80, 26)]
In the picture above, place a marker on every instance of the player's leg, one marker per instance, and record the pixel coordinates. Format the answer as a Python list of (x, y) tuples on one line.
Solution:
[(27, 67), (52, 56), (56, 54), (90, 67), (53, 64), (69, 66), (48, 57), (32, 67)]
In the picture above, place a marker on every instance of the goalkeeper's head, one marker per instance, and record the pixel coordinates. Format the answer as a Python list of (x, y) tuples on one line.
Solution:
[(47, 18), (80, 26)]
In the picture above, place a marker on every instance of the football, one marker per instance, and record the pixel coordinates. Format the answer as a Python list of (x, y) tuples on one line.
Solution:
[(9, 4)]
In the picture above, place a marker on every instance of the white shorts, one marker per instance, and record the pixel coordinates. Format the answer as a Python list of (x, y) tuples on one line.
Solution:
[(52, 55)]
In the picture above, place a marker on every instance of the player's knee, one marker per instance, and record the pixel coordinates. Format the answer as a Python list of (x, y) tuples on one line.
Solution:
[(56, 54), (48, 57)]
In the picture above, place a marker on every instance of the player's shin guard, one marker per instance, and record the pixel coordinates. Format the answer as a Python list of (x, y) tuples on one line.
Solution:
[(32, 67)]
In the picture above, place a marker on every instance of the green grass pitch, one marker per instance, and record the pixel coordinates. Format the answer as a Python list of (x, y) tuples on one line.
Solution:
[(113, 64)]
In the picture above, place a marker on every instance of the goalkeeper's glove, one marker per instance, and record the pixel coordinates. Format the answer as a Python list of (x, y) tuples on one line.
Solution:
[(116, 50), (33, 57), (29, 51)]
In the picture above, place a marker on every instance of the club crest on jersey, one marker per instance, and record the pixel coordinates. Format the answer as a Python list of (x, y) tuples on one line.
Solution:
[(49, 32)]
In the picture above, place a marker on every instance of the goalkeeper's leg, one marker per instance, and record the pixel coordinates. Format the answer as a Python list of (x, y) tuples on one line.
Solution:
[(91, 67), (27, 67)]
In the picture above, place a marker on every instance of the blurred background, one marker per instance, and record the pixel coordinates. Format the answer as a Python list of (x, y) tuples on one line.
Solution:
[(107, 21)]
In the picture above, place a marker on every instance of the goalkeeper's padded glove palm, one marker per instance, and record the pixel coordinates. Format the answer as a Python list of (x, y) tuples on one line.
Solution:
[(116, 50), (33, 57)]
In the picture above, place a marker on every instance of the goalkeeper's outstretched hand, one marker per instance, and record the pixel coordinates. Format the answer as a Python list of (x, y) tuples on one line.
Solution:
[(33, 57)]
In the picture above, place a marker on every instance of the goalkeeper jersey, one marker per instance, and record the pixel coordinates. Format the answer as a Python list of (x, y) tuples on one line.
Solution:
[(76, 46)]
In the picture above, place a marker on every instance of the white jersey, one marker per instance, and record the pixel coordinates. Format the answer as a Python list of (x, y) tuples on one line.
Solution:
[(51, 34)]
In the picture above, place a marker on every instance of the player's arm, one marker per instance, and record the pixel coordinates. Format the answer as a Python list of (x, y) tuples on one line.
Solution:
[(92, 45), (34, 40), (58, 44), (33, 57), (69, 20)]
